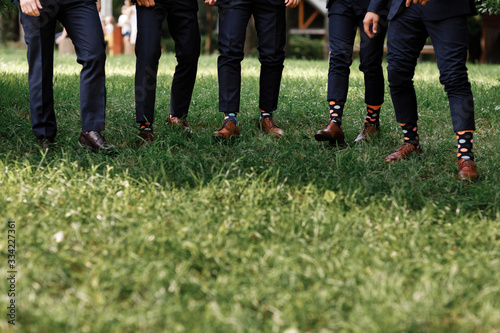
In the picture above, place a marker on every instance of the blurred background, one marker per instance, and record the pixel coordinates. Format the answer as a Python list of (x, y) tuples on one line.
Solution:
[(307, 37)]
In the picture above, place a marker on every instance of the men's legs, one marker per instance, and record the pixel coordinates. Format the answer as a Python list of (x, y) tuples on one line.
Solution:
[(406, 37), (450, 45), (449, 37), (39, 36), (342, 31), (148, 52), (371, 53), (183, 26), (270, 23), (233, 20), (83, 25)]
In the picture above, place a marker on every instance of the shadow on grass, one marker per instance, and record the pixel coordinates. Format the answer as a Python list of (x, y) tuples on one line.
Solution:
[(295, 160)]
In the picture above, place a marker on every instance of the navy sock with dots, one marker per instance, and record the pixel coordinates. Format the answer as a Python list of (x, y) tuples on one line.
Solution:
[(410, 130), (264, 114), (373, 114), (232, 117), (336, 110), (145, 126), (465, 142)]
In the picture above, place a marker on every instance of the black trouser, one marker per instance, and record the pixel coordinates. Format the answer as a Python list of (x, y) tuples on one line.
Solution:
[(183, 27)]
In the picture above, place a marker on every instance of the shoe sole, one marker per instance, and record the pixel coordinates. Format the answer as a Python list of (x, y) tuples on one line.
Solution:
[(321, 138), (110, 152), (415, 153)]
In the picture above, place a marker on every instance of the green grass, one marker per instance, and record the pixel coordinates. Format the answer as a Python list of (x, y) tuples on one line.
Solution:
[(262, 235)]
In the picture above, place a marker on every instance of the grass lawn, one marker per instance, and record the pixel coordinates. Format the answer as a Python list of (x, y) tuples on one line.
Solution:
[(263, 235)]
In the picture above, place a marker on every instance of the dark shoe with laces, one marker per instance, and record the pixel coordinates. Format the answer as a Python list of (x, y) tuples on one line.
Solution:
[(368, 132), (146, 136), (467, 169), (227, 131), (47, 144), (94, 141), (332, 133), (179, 122), (404, 151)]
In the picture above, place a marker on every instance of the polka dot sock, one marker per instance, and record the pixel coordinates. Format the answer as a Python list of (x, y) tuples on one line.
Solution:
[(465, 141), (265, 114), (372, 115), (410, 130), (232, 117), (145, 126), (336, 111)]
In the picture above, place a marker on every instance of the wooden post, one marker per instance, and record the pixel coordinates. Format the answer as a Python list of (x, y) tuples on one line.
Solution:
[(490, 38)]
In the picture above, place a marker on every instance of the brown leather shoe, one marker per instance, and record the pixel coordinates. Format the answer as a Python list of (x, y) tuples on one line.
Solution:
[(94, 141), (179, 122), (467, 169), (146, 136), (368, 132), (332, 132), (268, 125), (404, 151), (227, 131)]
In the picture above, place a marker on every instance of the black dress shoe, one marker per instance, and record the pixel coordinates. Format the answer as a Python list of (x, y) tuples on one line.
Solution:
[(46, 144), (95, 142)]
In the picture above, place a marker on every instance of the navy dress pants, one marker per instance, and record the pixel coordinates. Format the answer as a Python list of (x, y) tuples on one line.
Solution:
[(342, 26), (81, 20), (182, 23), (408, 32), (270, 23)]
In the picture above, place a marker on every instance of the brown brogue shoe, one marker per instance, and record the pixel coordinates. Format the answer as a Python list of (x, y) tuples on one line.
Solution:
[(268, 125), (332, 132), (467, 169), (368, 132), (179, 122), (146, 136), (94, 141), (404, 151), (227, 131)]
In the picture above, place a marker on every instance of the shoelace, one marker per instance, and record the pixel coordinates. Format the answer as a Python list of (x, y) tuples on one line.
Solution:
[(273, 124)]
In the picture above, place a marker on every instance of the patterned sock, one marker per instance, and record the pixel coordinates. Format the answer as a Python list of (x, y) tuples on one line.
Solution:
[(410, 131), (265, 114), (336, 111), (465, 142), (232, 117), (372, 115), (145, 126)]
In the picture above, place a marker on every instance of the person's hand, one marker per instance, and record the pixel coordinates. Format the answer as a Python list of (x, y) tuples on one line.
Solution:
[(292, 3), (210, 2), (98, 4), (422, 2), (370, 23), (146, 3), (31, 7)]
